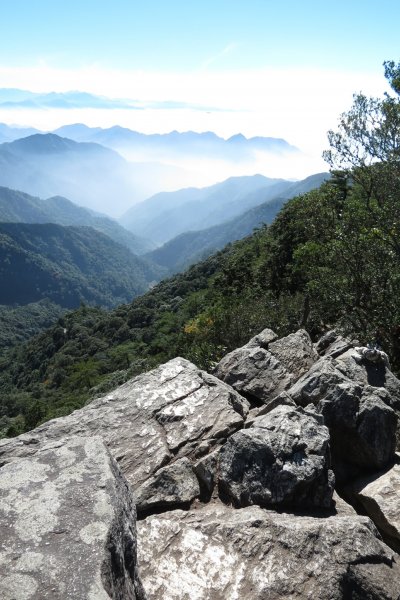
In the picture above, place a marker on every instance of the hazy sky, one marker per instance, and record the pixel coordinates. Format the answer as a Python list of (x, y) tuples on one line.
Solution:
[(275, 68)]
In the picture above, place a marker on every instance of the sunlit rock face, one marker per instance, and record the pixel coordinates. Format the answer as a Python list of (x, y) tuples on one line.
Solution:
[(266, 366), (172, 412), (252, 553)]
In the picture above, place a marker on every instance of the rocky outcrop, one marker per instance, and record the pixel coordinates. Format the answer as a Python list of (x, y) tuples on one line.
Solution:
[(206, 463), (67, 526), (172, 412), (265, 366), (251, 553), (173, 485), (283, 459)]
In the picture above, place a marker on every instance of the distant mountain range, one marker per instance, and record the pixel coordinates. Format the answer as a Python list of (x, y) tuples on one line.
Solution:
[(175, 143), (166, 215), (87, 173), (19, 207), (111, 170), (192, 246), (16, 98), (68, 265), (158, 146)]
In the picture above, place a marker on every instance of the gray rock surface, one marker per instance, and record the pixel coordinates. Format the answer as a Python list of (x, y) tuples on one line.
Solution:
[(264, 368), (283, 459), (380, 496), (361, 423), (173, 485), (206, 470), (67, 526), (332, 344), (181, 438), (254, 554), (173, 411), (376, 375)]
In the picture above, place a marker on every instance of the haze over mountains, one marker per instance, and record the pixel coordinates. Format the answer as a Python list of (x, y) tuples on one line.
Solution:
[(130, 166), (166, 215), (192, 246), (56, 244), (89, 174), (16, 98)]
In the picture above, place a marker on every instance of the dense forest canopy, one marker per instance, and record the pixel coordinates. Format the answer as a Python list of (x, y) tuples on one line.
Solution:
[(330, 259)]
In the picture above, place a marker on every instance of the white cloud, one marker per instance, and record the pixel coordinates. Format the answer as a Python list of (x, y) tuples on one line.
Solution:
[(299, 105)]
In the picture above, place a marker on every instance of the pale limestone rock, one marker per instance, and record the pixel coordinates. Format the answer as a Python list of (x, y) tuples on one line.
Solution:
[(253, 554), (157, 417)]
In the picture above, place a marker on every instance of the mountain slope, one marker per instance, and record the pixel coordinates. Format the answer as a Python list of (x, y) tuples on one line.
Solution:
[(19, 207), (68, 265), (168, 214), (192, 246)]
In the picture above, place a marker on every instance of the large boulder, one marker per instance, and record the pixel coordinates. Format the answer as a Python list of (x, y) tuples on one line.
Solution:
[(172, 412), (283, 459), (360, 419), (67, 526), (265, 366), (254, 554)]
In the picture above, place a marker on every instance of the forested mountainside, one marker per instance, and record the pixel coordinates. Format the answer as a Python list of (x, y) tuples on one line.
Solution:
[(19, 207), (20, 323), (321, 264), (68, 265), (187, 248)]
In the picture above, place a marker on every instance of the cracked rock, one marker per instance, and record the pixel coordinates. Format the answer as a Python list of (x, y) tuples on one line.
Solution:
[(172, 486), (254, 554), (380, 496), (148, 422)]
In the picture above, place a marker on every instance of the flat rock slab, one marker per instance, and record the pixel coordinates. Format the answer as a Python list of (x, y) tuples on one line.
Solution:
[(283, 459), (67, 526), (265, 367), (220, 553), (173, 411)]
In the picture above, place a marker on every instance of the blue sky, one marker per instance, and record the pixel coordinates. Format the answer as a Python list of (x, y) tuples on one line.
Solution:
[(279, 68), (180, 35)]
